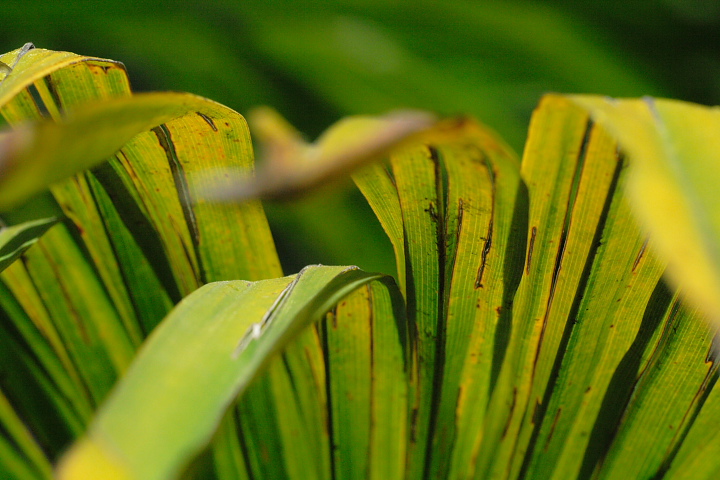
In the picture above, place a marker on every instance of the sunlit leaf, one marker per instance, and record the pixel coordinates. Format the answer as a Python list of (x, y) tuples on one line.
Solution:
[(536, 337), (674, 151), (48, 152), (250, 321), (111, 240)]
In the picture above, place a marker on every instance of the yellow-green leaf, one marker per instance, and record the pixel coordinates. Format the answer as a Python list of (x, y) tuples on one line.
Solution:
[(46, 152), (675, 164), (135, 262), (139, 434)]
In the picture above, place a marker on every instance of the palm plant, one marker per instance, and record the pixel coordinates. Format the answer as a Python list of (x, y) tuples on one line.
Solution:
[(528, 333)]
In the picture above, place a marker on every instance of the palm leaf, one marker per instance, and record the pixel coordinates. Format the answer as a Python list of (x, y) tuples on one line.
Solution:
[(537, 338), (245, 323), (131, 269), (674, 150)]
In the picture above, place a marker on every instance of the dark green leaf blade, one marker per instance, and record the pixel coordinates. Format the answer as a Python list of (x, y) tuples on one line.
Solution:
[(16, 239)]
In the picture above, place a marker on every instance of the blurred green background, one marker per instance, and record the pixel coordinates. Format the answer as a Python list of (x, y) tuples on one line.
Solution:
[(318, 61)]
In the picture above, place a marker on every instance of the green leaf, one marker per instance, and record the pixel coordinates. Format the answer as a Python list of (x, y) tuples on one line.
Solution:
[(671, 390), (47, 152), (376, 184), (485, 204), (557, 395), (250, 321), (673, 147), (594, 321), (368, 385), (20, 455), (63, 298), (697, 456), (45, 69), (450, 209), (537, 338), (109, 244), (18, 238)]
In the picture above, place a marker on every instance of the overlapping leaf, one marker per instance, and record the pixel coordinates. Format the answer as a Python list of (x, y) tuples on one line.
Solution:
[(673, 146), (142, 226), (131, 244), (16, 239), (540, 340), (245, 323), (590, 322)]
